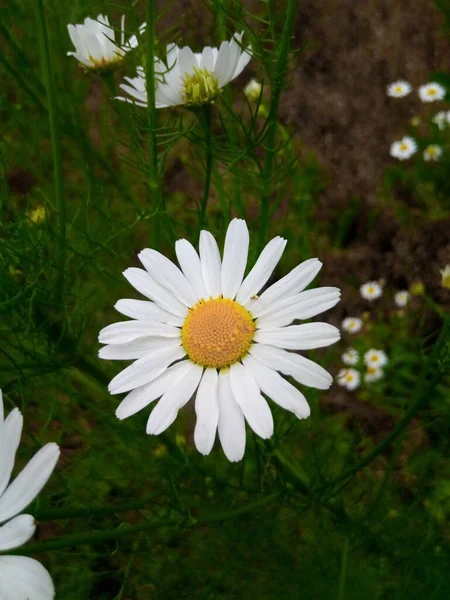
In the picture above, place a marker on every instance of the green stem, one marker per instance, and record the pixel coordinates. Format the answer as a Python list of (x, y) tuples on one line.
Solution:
[(47, 69), (209, 161), (292, 471), (343, 575)]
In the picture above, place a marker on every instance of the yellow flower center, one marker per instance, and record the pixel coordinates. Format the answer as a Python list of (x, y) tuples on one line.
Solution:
[(217, 333), (398, 89), (349, 377), (371, 370), (200, 88), (432, 92), (403, 147)]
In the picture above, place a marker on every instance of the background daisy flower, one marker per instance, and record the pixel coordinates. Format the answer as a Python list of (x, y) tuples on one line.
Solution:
[(398, 89), (431, 92), (352, 324), (350, 357), (432, 153), (373, 374), (371, 290), (375, 358), (253, 90), (205, 330), (401, 298), (404, 148), (349, 378), (442, 119)]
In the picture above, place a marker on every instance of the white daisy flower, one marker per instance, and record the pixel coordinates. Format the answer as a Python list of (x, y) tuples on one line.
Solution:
[(373, 374), (398, 89), (442, 119), (352, 324), (445, 274), (401, 299), (350, 357), (206, 330), (349, 378), (21, 578), (431, 92), (404, 148), (190, 78), (253, 90), (432, 153), (375, 358), (95, 42), (371, 290)]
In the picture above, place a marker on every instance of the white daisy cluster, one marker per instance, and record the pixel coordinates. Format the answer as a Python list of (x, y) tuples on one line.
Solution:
[(205, 330), (21, 577), (374, 361)]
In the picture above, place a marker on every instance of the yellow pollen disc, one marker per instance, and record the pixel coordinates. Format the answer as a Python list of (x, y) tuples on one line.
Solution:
[(431, 92), (217, 333), (349, 377), (403, 147), (199, 88), (374, 358), (371, 370)]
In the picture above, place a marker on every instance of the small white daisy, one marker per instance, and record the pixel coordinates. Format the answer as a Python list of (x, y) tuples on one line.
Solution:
[(401, 299), (21, 577), (349, 378), (432, 153), (253, 90), (95, 42), (205, 330), (404, 148), (373, 374), (398, 89), (352, 324), (431, 92), (350, 357), (445, 274), (371, 290), (442, 119), (375, 358), (190, 78)]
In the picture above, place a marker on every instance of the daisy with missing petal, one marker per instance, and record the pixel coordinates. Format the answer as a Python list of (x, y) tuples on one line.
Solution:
[(352, 324), (398, 89), (431, 92), (401, 299), (371, 290), (349, 378), (404, 148), (432, 153), (190, 78), (375, 358), (95, 42), (373, 374), (21, 577), (205, 330), (350, 357)]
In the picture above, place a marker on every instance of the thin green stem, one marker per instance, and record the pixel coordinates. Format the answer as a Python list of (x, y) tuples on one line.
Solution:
[(209, 162), (47, 68), (343, 574)]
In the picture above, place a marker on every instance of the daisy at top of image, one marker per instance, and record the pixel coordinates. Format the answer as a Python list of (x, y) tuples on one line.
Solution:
[(373, 374), (431, 92), (433, 152), (404, 148), (352, 324), (442, 119), (204, 329), (188, 77), (95, 42), (371, 290), (401, 298), (398, 89), (375, 358), (350, 356), (349, 378), (21, 577)]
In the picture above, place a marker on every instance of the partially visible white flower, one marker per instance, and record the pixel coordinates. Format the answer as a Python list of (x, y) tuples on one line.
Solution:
[(352, 324), (95, 42), (350, 357), (445, 273), (404, 148), (398, 89), (375, 358), (349, 378), (21, 578), (431, 92), (442, 119), (373, 374), (253, 90), (432, 153), (190, 78), (371, 290), (402, 298)]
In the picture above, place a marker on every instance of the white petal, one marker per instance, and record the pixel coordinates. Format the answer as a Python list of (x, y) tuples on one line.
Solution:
[(222, 62), (2, 410), (207, 411), (10, 432), (127, 331), (211, 265), (299, 337), (207, 60), (136, 349), (292, 283), (234, 257), (23, 578), (254, 406), (145, 369), (302, 369), (186, 61), (231, 426), (30, 481), (190, 265), (144, 395), (168, 275), (277, 388), (144, 310), (259, 275), (243, 61), (234, 52), (146, 285), (16, 532), (166, 411)]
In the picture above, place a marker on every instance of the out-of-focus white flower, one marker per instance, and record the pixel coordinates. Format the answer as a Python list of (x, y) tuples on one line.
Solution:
[(253, 90), (190, 78), (445, 273), (371, 290), (431, 92), (350, 357), (398, 89), (432, 153), (349, 378), (373, 374), (375, 358), (402, 298), (95, 42), (404, 148), (352, 324), (442, 119), (21, 577)]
